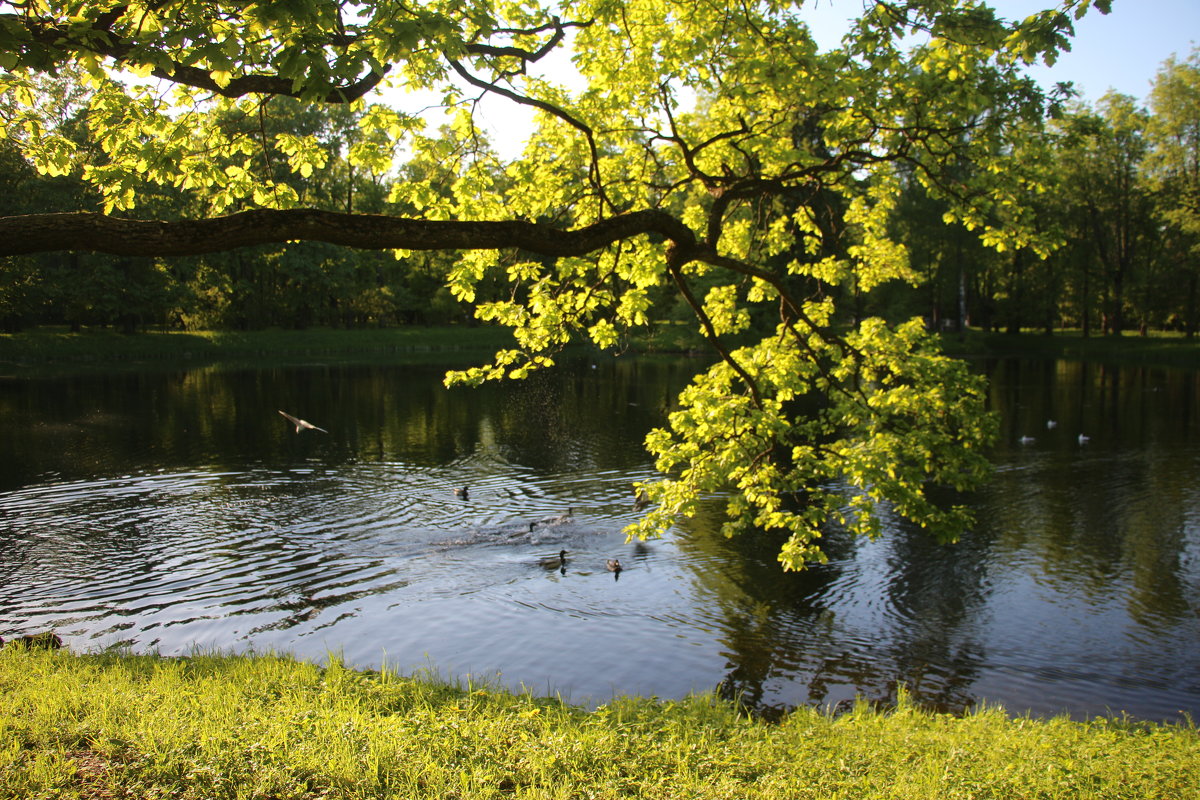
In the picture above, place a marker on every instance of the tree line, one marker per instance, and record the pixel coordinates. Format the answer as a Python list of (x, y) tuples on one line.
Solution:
[(1113, 190), (294, 285), (1115, 197)]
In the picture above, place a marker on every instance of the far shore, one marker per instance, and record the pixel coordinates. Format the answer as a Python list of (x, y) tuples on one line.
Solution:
[(104, 347)]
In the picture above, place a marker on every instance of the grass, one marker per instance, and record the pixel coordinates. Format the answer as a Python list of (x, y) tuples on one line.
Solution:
[(103, 347), (211, 726), (41, 347), (1160, 349)]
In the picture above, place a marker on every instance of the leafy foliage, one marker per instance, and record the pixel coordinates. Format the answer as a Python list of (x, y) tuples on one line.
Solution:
[(715, 155)]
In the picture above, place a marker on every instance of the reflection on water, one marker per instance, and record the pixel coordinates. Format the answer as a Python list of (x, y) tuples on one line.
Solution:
[(167, 510)]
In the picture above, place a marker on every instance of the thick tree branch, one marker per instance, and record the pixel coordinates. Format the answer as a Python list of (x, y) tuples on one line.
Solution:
[(40, 233)]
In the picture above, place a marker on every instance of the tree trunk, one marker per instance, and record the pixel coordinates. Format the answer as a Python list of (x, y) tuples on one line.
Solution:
[(1191, 306)]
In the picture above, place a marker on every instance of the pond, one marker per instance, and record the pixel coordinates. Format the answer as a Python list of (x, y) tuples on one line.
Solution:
[(172, 509)]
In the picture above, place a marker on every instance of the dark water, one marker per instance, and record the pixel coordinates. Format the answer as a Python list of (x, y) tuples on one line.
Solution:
[(172, 509)]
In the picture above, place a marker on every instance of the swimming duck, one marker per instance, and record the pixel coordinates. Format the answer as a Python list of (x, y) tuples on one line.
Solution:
[(301, 424), (561, 519), (554, 562), (463, 492), (613, 565)]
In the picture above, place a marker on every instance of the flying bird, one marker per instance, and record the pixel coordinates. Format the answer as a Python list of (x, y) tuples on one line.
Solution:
[(302, 424)]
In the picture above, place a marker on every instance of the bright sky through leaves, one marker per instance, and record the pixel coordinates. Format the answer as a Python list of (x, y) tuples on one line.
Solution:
[(1121, 51)]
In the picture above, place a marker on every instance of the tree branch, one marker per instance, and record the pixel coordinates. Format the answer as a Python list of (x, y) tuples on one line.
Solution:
[(559, 28), (549, 108), (676, 258), (106, 43)]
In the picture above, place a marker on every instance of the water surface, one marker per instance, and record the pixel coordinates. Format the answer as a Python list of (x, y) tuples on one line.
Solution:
[(170, 509)]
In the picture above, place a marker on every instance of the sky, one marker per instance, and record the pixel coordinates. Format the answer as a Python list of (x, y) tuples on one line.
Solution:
[(1122, 50)]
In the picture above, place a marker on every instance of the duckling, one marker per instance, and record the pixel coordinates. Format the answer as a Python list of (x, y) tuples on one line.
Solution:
[(613, 565), (554, 562), (301, 424)]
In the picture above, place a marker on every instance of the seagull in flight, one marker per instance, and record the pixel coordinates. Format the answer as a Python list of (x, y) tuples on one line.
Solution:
[(302, 424)]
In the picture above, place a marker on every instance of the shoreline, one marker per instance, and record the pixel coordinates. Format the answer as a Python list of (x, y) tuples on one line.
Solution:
[(52, 347)]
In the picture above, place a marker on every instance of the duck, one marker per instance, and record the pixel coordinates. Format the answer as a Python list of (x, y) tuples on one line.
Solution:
[(561, 519), (302, 424), (613, 565), (1027, 440), (1084, 438), (464, 492), (640, 500), (554, 562), (1051, 424)]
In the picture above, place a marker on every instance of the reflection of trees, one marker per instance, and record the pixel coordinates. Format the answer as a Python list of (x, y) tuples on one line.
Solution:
[(1092, 521), (91, 424), (798, 628), (773, 625), (937, 594), (1109, 518)]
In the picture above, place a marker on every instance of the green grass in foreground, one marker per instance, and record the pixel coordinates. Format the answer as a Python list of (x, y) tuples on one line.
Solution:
[(112, 725)]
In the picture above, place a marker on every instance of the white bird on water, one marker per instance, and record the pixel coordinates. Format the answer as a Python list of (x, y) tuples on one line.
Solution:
[(301, 424), (1084, 438)]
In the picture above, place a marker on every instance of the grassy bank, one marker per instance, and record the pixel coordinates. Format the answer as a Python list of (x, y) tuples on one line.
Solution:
[(1159, 349), (59, 346), (49, 346), (110, 725)]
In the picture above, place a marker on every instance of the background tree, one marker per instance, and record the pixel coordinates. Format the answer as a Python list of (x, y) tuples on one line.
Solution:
[(715, 153), (1174, 169), (1105, 151)]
